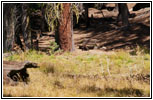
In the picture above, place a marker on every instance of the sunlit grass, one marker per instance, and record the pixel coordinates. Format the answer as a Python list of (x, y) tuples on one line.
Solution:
[(84, 75)]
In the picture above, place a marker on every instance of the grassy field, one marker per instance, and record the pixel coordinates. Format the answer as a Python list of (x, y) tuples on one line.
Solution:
[(84, 74)]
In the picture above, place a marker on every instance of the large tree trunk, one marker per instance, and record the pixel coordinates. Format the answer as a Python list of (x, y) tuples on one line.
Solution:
[(15, 22), (8, 26), (25, 27), (18, 28), (123, 13), (65, 28)]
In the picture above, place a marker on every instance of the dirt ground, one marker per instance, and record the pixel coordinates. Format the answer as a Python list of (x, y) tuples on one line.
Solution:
[(105, 34)]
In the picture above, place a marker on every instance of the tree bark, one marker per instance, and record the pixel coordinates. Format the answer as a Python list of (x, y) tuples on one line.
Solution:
[(8, 26), (25, 27), (65, 28), (123, 13), (18, 28)]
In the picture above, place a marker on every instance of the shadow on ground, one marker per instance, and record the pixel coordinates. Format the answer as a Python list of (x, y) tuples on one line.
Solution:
[(108, 92), (105, 34), (9, 95)]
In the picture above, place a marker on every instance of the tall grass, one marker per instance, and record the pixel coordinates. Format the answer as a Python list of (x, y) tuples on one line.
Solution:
[(118, 74)]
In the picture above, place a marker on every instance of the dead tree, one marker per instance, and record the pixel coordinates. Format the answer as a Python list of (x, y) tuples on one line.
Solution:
[(14, 72)]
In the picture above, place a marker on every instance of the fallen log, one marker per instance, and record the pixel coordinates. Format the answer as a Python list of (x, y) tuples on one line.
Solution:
[(14, 71)]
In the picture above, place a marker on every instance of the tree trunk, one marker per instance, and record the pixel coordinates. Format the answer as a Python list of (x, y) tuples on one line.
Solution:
[(25, 26), (18, 28), (123, 13), (65, 28), (8, 26), (86, 15)]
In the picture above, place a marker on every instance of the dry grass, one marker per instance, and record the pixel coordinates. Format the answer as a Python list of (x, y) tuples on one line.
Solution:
[(119, 74)]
